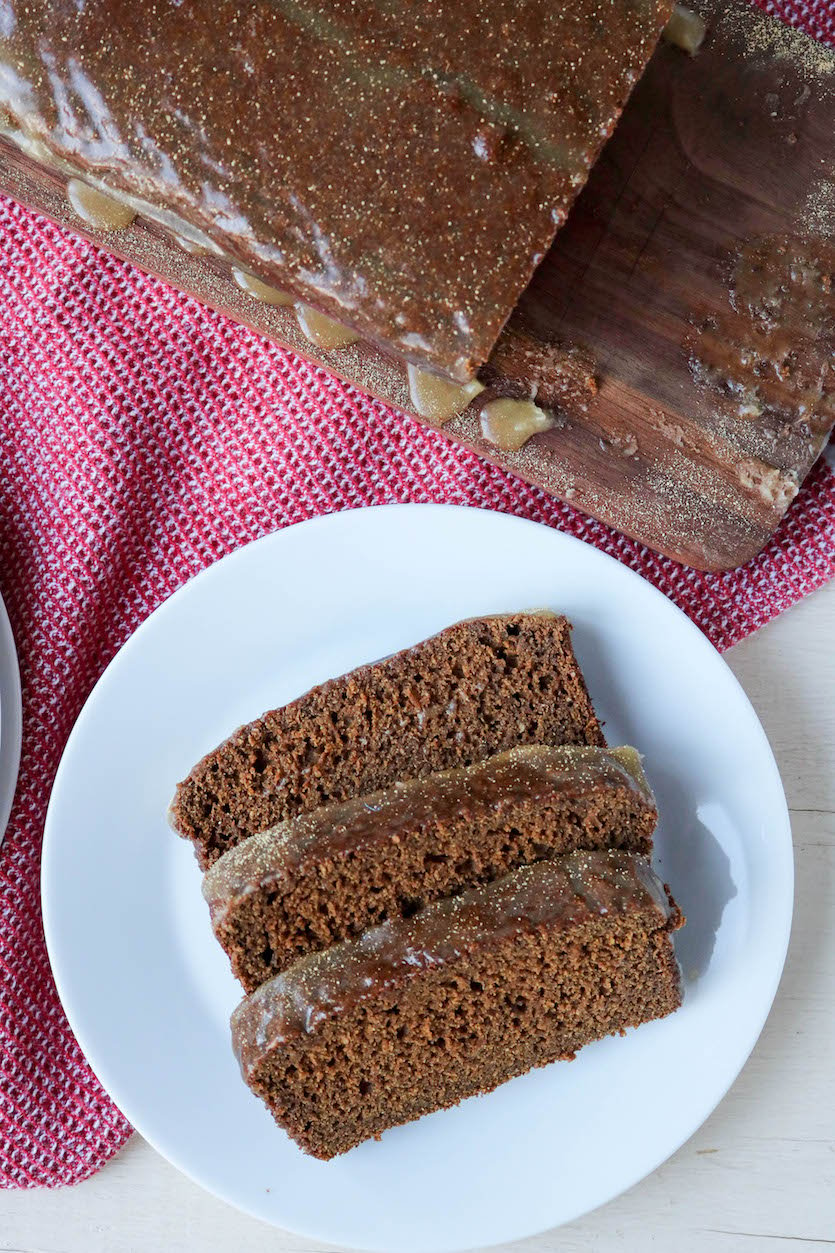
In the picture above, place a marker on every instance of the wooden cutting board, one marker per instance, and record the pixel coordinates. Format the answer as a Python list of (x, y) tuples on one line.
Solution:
[(694, 283)]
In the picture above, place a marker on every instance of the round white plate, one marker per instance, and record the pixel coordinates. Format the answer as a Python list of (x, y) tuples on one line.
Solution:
[(149, 994), (10, 719)]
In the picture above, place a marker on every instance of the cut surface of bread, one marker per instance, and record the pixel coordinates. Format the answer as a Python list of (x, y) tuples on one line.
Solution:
[(475, 689), (329, 875), (420, 1013)]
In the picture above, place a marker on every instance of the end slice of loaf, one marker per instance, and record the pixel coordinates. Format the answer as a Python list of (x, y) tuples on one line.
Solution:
[(475, 689), (417, 1014), (327, 876)]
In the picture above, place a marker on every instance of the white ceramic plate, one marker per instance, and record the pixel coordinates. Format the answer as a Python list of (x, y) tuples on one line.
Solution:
[(10, 719), (148, 992)]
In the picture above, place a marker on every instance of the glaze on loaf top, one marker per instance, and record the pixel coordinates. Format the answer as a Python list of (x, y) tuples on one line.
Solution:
[(401, 167)]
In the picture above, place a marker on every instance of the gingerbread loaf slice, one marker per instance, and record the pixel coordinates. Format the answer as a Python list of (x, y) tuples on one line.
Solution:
[(417, 1014), (327, 876), (477, 688)]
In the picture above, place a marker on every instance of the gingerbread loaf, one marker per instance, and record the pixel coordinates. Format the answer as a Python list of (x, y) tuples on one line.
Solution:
[(329, 875), (401, 168), (477, 688), (419, 1013)]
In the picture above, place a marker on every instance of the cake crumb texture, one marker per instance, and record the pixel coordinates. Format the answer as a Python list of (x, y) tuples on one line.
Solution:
[(327, 876), (418, 1014), (477, 688)]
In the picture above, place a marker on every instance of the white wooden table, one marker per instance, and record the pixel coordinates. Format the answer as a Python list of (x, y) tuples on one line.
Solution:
[(759, 1175)]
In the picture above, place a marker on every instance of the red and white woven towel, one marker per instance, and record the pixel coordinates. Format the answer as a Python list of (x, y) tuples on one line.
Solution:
[(141, 438)]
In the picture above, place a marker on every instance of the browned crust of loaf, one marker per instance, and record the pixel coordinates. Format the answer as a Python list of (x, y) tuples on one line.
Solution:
[(474, 689), (327, 876), (417, 1015), (350, 207)]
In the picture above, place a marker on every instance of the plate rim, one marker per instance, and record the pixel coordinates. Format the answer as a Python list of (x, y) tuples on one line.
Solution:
[(11, 719), (782, 835)]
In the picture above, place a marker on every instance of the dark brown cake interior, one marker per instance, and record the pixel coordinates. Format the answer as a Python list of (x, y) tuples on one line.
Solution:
[(417, 1016), (477, 688), (328, 876)]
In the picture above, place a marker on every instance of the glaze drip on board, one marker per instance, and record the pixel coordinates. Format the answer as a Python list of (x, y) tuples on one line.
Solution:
[(97, 209), (509, 424), (322, 331), (438, 399), (260, 291), (686, 30)]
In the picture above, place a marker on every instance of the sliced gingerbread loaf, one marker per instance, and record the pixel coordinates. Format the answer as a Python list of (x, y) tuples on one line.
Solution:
[(326, 876), (477, 688), (419, 1013)]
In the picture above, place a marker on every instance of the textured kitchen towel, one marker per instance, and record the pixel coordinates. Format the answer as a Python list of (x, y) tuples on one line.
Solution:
[(141, 438)]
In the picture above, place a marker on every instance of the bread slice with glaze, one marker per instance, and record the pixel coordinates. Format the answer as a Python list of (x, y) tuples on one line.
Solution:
[(420, 1013), (475, 689), (327, 876)]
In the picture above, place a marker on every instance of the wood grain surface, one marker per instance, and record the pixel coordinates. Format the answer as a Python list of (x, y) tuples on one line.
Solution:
[(694, 277)]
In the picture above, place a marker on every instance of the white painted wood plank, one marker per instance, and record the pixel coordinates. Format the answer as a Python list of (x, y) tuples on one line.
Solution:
[(788, 671)]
